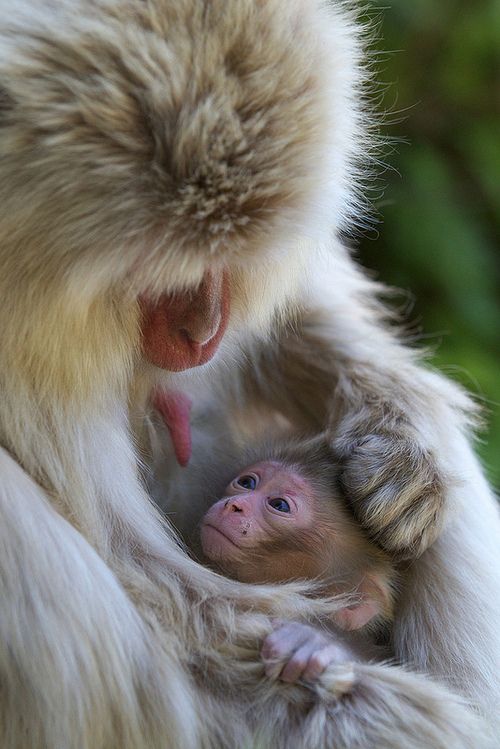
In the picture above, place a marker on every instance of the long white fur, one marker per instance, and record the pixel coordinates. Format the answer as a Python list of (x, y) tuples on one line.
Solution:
[(123, 135)]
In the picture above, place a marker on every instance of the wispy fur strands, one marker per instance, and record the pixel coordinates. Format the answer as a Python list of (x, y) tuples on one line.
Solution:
[(142, 143), (206, 128)]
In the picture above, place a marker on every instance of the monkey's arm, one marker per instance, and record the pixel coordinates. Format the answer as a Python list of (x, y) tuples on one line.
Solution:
[(339, 367), (73, 649), (407, 468), (376, 706), (386, 707)]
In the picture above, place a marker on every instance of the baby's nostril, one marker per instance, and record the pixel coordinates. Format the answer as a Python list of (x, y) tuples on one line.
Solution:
[(233, 507)]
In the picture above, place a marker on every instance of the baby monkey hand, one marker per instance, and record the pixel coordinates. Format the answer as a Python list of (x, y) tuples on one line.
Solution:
[(299, 652)]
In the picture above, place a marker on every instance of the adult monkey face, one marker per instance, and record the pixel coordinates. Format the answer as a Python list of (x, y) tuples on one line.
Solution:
[(182, 330)]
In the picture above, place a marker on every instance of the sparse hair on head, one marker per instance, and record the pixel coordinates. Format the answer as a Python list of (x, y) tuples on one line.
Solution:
[(314, 459)]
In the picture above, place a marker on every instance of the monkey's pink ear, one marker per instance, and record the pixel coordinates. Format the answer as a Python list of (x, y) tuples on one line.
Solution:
[(375, 601), (356, 616)]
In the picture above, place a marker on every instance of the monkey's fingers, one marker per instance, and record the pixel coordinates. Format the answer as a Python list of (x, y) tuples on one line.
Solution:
[(297, 664), (279, 646), (320, 659), (395, 489), (284, 640)]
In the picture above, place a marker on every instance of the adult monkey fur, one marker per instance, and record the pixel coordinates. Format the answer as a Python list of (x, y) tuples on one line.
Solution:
[(160, 148)]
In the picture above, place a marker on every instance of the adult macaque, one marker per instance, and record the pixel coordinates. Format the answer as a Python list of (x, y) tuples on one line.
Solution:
[(174, 179)]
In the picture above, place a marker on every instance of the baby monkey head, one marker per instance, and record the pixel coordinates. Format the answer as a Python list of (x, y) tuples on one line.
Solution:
[(283, 518)]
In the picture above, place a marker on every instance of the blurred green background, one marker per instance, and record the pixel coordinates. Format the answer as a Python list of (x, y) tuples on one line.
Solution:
[(439, 210)]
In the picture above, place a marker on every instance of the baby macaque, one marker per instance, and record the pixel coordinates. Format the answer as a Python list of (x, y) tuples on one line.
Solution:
[(283, 518)]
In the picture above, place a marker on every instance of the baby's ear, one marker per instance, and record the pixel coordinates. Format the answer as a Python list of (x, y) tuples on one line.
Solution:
[(375, 602)]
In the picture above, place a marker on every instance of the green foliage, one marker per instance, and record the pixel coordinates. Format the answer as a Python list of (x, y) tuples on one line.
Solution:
[(439, 236)]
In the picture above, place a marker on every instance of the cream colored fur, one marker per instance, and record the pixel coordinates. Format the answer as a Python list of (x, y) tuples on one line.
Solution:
[(141, 143)]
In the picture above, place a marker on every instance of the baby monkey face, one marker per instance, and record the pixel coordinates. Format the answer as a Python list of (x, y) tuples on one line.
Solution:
[(264, 502), (273, 526)]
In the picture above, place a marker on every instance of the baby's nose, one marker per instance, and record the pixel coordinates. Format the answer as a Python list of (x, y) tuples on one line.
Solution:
[(234, 505)]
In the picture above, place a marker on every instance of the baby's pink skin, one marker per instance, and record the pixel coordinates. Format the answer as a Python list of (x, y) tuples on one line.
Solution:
[(298, 652), (244, 517)]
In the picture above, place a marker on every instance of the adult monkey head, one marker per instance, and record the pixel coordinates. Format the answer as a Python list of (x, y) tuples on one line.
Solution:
[(251, 174)]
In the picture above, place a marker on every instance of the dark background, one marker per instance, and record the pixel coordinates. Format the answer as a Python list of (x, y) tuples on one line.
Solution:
[(438, 204)]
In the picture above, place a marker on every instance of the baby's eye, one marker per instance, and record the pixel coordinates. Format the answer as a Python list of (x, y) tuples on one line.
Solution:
[(247, 482), (279, 504)]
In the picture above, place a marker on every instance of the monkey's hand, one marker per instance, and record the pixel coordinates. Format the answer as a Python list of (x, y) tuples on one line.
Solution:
[(394, 487), (299, 652)]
